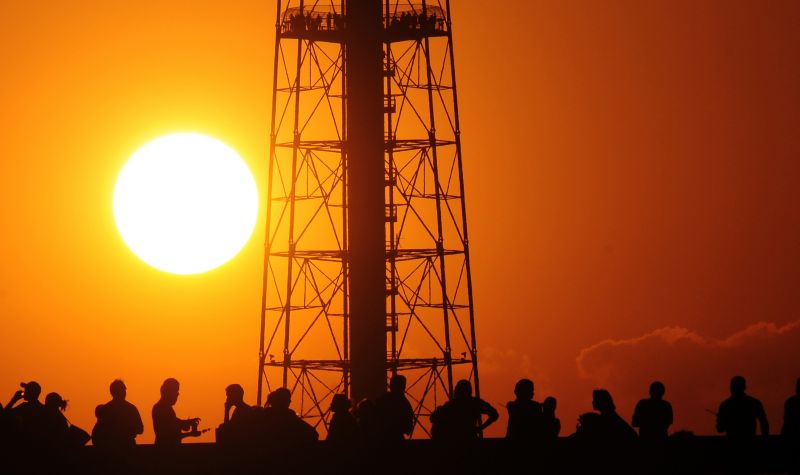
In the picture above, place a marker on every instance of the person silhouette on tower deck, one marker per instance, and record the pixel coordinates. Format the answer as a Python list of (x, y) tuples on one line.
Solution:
[(459, 420), (170, 430), (343, 428), (737, 415), (524, 414), (118, 421), (394, 412), (238, 428), (281, 427), (791, 415), (653, 416)]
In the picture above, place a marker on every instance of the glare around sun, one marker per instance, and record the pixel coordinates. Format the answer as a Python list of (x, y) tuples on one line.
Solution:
[(185, 203)]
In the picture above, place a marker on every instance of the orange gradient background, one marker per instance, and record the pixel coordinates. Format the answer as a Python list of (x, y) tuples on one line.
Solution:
[(631, 171)]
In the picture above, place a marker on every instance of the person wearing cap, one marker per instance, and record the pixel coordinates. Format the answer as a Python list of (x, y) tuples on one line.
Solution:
[(30, 414)]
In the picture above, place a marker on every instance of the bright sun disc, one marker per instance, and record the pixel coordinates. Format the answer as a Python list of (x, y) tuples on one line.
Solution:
[(185, 203)]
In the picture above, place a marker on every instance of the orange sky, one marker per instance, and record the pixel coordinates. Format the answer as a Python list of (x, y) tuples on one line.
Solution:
[(631, 170)]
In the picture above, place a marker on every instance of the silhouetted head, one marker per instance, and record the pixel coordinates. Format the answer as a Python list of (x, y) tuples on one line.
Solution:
[(340, 403), (280, 398), (397, 384), (32, 391), (549, 405), (463, 390), (524, 389), (234, 394), (170, 390), (738, 385), (118, 389), (55, 401), (797, 387), (657, 390), (602, 401)]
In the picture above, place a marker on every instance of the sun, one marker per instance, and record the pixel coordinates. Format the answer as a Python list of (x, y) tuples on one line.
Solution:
[(185, 203)]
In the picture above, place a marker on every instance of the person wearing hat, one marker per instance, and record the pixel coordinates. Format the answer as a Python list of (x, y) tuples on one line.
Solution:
[(29, 415)]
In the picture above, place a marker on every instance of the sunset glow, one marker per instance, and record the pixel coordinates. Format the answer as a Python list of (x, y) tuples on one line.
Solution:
[(630, 175), (185, 203)]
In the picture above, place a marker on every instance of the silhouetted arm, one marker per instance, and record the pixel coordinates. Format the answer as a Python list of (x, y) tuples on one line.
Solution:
[(189, 425), (637, 415), (408, 419), (669, 415), (489, 411), (14, 399), (762, 419), (787, 414), (185, 424), (722, 423), (138, 427)]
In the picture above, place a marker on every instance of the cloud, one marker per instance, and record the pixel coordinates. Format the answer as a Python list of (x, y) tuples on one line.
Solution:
[(696, 369)]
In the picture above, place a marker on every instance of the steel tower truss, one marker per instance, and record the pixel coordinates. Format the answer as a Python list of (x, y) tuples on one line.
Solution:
[(430, 331)]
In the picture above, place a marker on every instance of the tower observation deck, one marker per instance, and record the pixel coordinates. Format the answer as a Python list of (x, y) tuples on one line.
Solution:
[(366, 266)]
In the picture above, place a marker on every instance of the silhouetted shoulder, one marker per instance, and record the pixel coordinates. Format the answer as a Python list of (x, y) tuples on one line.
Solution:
[(791, 417)]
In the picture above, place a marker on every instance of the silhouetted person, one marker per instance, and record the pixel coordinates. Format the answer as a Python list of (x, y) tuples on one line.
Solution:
[(604, 427), (395, 414), (240, 420), (551, 425), (366, 415), (6, 431), (791, 429), (653, 416), (460, 419), (118, 421), (170, 430), (737, 415), (55, 428), (29, 416), (282, 428), (343, 428), (791, 414), (524, 414), (603, 439)]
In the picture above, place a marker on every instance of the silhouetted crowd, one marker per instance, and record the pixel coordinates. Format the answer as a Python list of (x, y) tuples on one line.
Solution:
[(416, 21), (408, 21), (299, 22), (25, 422)]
